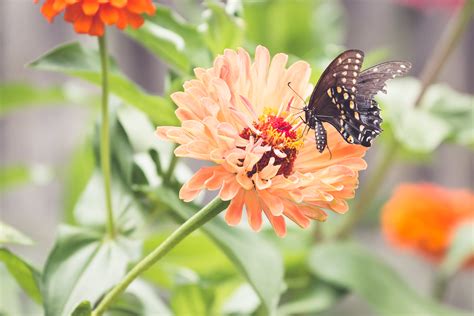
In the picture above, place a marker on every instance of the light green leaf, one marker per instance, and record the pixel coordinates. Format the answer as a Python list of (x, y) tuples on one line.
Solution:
[(188, 254), (10, 235), (443, 115), (25, 275), (164, 43), (17, 175), (255, 258), (317, 299), (191, 298), (193, 40), (83, 309), (83, 265), (78, 61), (18, 95), (77, 175), (349, 266), (461, 249), (243, 301), (221, 29)]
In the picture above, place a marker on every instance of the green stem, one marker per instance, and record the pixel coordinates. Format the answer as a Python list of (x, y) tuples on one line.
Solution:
[(197, 220), (172, 166), (104, 135), (369, 191), (435, 63), (446, 44), (440, 285)]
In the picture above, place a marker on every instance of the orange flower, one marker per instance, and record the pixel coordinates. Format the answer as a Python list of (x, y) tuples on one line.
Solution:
[(424, 217), (240, 116), (90, 16)]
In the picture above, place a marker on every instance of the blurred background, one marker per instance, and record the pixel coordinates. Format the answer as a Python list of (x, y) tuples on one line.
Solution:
[(46, 138)]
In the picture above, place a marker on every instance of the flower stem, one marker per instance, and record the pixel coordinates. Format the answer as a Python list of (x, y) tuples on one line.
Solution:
[(369, 191), (431, 70), (440, 285), (446, 44), (104, 135), (197, 220)]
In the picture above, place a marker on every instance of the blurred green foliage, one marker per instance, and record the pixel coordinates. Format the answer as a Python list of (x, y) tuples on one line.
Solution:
[(220, 270)]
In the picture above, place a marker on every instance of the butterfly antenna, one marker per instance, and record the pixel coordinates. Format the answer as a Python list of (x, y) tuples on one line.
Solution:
[(289, 86), (330, 153)]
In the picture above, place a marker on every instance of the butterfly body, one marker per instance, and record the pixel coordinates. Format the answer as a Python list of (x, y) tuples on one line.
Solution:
[(343, 97)]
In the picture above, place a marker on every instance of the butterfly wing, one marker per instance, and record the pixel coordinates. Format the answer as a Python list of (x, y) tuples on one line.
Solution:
[(372, 80), (343, 96), (342, 71)]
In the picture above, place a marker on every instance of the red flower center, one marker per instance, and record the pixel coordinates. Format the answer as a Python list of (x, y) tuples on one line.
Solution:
[(284, 139)]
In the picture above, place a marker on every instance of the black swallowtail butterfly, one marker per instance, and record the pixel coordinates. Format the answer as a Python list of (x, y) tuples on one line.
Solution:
[(343, 97)]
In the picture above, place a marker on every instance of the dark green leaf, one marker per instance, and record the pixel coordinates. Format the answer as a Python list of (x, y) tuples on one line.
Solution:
[(221, 30), (10, 235), (26, 276), (139, 299), (349, 266), (83, 265), (256, 259), (79, 61), (83, 309)]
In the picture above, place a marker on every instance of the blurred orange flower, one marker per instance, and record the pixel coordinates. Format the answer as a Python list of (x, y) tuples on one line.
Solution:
[(424, 217), (91, 16), (240, 116)]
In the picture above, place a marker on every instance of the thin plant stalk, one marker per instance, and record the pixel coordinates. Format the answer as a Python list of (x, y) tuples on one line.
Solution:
[(105, 135), (197, 220), (435, 63)]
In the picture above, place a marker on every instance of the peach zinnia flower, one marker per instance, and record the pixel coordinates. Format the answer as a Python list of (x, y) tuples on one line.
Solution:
[(241, 116), (424, 217), (90, 16)]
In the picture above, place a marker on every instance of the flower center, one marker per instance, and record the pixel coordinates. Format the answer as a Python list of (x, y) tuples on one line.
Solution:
[(278, 133)]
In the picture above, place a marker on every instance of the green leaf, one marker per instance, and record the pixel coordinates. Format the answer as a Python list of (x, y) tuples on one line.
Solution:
[(90, 208), (243, 301), (78, 61), (220, 29), (25, 275), (316, 299), (10, 235), (191, 298), (347, 265), (443, 115), (460, 251), (18, 95), (78, 173), (139, 299), (83, 265), (256, 259), (83, 309), (164, 43), (17, 175), (193, 40), (188, 254)]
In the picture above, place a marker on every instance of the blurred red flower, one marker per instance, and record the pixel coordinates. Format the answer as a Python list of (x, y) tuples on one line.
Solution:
[(91, 16), (424, 217)]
